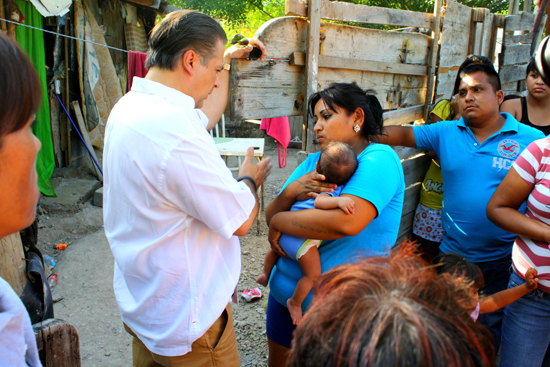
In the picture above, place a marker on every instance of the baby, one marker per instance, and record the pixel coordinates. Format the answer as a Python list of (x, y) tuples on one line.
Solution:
[(337, 162), (456, 265)]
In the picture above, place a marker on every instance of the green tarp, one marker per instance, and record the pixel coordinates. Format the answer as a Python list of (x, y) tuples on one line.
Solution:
[(32, 41)]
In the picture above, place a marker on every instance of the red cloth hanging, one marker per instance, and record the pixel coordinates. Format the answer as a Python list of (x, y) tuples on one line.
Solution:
[(279, 129), (136, 67)]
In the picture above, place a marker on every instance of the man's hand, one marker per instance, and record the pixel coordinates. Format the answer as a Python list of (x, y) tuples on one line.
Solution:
[(346, 204), (258, 171), (530, 281), (234, 52)]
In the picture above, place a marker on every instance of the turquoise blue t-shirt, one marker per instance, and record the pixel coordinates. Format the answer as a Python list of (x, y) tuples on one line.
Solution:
[(471, 173), (379, 180)]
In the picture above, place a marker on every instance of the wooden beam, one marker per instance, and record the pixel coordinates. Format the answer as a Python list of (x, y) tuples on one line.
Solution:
[(3, 25), (515, 54), (489, 35), (512, 73), (540, 21), (513, 39), (84, 132), (12, 262), (403, 115), (298, 59), (312, 68), (519, 22), (358, 13), (414, 168), (513, 7), (433, 57)]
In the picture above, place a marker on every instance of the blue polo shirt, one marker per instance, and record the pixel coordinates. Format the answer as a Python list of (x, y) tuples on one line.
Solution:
[(471, 173)]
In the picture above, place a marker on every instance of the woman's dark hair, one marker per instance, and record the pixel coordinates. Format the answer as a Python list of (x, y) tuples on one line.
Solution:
[(457, 266), (337, 162), (19, 87), (180, 31), (532, 66), (390, 312), (471, 59), (350, 97)]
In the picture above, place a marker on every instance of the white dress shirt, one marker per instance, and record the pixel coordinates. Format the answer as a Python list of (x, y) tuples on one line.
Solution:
[(17, 342), (171, 207)]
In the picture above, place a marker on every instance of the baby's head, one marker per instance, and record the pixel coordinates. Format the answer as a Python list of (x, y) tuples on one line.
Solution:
[(457, 266), (337, 162)]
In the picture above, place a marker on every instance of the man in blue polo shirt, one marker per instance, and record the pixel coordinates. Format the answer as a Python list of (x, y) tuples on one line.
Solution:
[(475, 153)]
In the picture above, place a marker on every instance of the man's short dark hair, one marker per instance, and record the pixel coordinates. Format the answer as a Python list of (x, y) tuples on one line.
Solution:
[(489, 70), (180, 31), (338, 163)]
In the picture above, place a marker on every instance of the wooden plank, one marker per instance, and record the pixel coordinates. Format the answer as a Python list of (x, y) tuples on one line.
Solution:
[(520, 22), (538, 33), (509, 38), (12, 262), (455, 39), (359, 13), (58, 343), (312, 69), (512, 73), (251, 97), (3, 26), (406, 152), (513, 7), (510, 88), (515, 54), (433, 57), (296, 8), (84, 133), (286, 35), (56, 130), (298, 59), (403, 115), (415, 168), (405, 227), (489, 35), (412, 196)]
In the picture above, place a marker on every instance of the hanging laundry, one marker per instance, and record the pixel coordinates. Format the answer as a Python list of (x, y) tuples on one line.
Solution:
[(136, 67), (279, 129)]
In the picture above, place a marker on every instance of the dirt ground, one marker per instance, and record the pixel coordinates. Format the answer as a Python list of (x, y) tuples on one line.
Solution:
[(84, 294)]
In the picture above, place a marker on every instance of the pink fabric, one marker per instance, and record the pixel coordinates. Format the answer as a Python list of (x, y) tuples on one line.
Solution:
[(136, 67), (279, 129), (475, 313)]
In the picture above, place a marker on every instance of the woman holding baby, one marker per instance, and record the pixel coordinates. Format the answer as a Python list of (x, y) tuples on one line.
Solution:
[(344, 113)]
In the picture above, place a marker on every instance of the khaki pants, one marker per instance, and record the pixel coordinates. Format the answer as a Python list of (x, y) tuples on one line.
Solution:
[(217, 347)]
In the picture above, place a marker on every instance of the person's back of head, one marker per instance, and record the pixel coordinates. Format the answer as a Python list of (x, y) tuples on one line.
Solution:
[(180, 31), (338, 163), (389, 312), (457, 266)]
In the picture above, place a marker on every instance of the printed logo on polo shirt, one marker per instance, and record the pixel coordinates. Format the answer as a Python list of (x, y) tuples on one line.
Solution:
[(508, 148)]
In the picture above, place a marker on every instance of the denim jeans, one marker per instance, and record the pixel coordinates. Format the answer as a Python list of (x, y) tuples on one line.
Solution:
[(496, 274), (526, 329)]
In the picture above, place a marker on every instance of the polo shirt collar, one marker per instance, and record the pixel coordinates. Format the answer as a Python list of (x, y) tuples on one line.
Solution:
[(511, 124), (175, 97)]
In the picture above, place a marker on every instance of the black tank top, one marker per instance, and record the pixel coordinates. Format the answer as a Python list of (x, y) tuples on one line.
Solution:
[(525, 118)]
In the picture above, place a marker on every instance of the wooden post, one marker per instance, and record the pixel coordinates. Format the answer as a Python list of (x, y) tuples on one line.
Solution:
[(3, 26), (84, 133), (312, 67), (528, 6), (12, 262), (513, 8), (537, 27), (67, 128), (433, 57)]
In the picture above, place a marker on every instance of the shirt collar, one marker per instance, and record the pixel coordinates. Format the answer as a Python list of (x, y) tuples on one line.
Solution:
[(175, 97), (511, 124)]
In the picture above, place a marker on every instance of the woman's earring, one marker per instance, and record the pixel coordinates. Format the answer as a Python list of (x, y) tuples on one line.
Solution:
[(356, 128)]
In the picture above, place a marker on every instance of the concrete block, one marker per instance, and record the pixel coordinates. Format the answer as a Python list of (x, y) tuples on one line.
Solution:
[(98, 197)]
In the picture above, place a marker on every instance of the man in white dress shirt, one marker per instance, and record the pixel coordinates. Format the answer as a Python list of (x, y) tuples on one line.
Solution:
[(172, 208)]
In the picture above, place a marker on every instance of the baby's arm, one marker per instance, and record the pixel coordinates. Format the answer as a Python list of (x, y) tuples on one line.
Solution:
[(504, 298), (329, 202)]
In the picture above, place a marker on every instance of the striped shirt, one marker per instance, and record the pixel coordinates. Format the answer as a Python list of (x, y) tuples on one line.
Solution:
[(533, 165)]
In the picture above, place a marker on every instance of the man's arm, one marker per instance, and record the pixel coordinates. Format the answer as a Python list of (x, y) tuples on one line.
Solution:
[(215, 104), (398, 136), (254, 175)]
